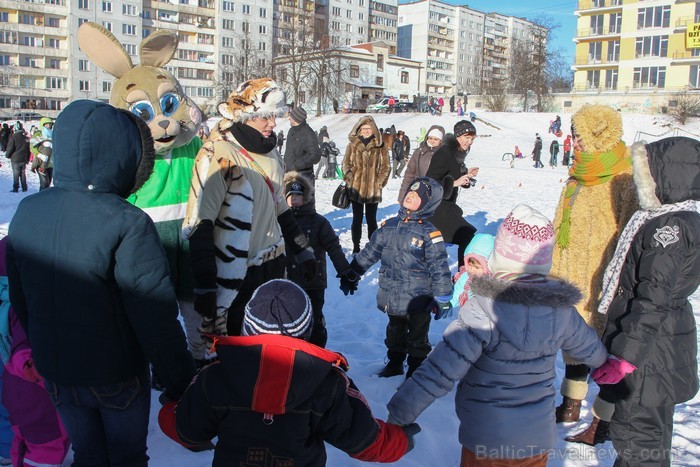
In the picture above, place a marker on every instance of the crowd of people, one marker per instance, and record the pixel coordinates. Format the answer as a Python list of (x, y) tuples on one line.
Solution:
[(244, 262)]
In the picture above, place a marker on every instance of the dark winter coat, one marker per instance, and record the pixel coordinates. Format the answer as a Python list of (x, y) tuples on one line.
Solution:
[(96, 299), (330, 153), (302, 150), (418, 163), (322, 239), (401, 148), (5, 133), (275, 400), (18, 148), (414, 260), (502, 350), (537, 150), (650, 320), (366, 167), (446, 166), (554, 148)]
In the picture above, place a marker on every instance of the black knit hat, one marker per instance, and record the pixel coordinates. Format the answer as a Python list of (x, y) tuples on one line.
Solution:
[(281, 307), (463, 127)]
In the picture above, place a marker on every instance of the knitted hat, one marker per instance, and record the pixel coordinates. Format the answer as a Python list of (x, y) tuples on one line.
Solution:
[(293, 188), (524, 243), (298, 114), (463, 127), (422, 188), (598, 126), (435, 133), (254, 98), (278, 307)]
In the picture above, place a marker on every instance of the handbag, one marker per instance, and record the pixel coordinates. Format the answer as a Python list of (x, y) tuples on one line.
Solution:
[(340, 197)]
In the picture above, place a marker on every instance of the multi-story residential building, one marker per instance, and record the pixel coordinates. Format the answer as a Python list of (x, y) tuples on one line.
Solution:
[(383, 17), (635, 46), (465, 50)]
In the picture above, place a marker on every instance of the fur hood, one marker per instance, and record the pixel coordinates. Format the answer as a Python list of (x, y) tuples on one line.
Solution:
[(355, 132), (553, 293), (666, 171), (294, 176)]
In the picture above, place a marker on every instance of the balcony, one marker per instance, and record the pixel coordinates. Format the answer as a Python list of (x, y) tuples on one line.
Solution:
[(596, 62), (36, 71), (685, 57), (38, 7), (681, 23), (598, 6), (597, 34)]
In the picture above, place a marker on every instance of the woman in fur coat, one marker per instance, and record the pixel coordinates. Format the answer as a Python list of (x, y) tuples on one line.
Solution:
[(366, 168)]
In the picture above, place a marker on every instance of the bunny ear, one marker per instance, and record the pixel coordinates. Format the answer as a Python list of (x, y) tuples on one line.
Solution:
[(158, 48), (104, 49)]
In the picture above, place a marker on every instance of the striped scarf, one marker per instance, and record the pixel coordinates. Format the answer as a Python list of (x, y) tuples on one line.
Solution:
[(589, 169)]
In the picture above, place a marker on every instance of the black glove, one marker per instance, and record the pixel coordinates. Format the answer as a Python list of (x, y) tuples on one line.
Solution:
[(441, 307), (205, 304), (348, 281), (411, 430), (307, 260)]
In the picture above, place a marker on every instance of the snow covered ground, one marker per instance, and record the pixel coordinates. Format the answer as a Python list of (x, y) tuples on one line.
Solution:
[(355, 326)]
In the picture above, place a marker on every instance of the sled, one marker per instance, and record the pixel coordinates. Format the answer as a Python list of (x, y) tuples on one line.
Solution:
[(339, 172)]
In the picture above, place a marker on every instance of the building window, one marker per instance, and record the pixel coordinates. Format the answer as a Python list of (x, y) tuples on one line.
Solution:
[(130, 10), (54, 43), (694, 79), (654, 17), (354, 71), (379, 81), (227, 42), (106, 86), (129, 29), (404, 77), (648, 77), (261, 46), (611, 80), (228, 6), (246, 9), (83, 65), (262, 29), (380, 62), (263, 12), (107, 7), (84, 85), (228, 24), (651, 46), (245, 26), (83, 4), (130, 49), (4, 17), (54, 64)]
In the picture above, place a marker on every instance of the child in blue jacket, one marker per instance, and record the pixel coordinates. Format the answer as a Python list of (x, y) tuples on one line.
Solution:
[(414, 278)]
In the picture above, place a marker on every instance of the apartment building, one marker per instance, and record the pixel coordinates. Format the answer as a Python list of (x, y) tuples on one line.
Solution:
[(465, 50), (383, 18), (630, 46)]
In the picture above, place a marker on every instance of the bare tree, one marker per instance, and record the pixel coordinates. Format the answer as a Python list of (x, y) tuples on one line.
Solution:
[(326, 72), (548, 64), (297, 39), (495, 97), (242, 64), (684, 104)]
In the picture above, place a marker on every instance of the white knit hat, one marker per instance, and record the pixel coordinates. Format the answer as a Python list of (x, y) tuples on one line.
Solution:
[(524, 243)]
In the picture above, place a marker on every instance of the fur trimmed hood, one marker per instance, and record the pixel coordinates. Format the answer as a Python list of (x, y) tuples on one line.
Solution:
[(666, 171), (294, 176), (355, 132), (599, 126), (553, 293)]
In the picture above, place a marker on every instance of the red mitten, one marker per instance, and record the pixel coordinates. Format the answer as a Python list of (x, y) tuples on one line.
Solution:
[(612, 371)]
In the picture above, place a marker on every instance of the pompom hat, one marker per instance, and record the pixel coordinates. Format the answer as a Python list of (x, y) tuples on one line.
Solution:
[(254, 98), (524, 243), (279, 307)]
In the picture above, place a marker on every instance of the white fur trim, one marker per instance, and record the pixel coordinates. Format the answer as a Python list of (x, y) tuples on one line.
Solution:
[(574, 389), (646, 186), (602, 409)]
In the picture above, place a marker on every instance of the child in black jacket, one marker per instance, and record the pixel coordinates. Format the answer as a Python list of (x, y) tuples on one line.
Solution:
[(299, 192)]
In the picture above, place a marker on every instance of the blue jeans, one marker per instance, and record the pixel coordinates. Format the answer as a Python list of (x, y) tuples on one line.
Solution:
[(108, 425)]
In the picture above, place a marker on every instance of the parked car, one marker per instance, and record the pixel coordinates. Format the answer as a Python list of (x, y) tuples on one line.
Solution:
[(405, 107), (382, 105)]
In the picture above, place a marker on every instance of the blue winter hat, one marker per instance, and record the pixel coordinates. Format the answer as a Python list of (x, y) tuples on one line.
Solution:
[(422, 188), (280, 307)]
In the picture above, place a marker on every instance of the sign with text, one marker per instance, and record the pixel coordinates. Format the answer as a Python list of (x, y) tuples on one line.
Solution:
[(692, 36)]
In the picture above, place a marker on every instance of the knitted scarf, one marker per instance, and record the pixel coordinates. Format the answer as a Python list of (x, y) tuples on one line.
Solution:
[(611, 278), (589, 169)]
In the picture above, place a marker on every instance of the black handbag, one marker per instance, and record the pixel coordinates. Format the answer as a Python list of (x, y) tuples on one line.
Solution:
[(340, 197)]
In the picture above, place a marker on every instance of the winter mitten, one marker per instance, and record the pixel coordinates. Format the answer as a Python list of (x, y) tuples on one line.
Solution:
[(441, 307), (348, 281), (307, 259), (612, 371), (411, 430), (205, 303)]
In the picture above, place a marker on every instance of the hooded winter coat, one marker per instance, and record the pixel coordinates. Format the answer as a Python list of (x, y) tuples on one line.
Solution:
[(277, 398), (419, 162), (502, 350), (366, 167), (414, 260), (322, 239), (650, 321), (96, 299)]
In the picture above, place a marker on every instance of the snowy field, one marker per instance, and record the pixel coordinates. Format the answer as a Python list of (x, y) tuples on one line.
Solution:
[(355, 326)]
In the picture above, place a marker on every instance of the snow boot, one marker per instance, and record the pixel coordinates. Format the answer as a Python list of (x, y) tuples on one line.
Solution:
[(395, 365), (568, 411), (413, 364), (597, 432)]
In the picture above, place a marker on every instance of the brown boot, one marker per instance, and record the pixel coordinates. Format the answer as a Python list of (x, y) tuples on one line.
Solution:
[(568, 411), (597, 432)]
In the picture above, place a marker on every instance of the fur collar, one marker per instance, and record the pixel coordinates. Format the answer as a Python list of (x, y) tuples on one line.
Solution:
[(646, 186), (554, 292)]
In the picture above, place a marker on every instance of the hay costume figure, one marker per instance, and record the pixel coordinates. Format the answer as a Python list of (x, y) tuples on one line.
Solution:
[(597, 202), (153, 94), (650, 321), (237, 221)]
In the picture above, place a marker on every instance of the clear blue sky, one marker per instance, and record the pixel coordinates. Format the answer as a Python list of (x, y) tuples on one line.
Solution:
[(561, 11)]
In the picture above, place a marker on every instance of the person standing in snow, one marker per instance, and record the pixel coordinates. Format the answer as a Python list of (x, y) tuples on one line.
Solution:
[(650, 322), (96, 301), (553, 153), (303, 150), (18, 153), (449, 169), (502, 350), (420, 160), (366, 170), (400, 151), (596, 203), (537, 152), (300, 196), (566, 161), (40, 147), (259, 421), (414, 279)]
